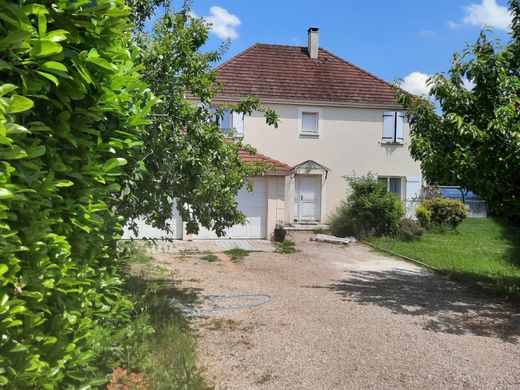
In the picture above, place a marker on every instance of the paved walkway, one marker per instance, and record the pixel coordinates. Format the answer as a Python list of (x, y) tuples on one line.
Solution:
[(177, 246)]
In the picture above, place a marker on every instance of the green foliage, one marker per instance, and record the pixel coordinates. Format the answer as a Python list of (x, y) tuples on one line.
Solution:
[(189, 162), (72, 111), (410, 229), (475, 142), (445, 211), (237, 254), (158, 342), (210, 258), (424, 215), (484, 252), (286, 246), (369, 210)]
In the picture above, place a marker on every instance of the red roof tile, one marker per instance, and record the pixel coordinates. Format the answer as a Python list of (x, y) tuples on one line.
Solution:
[(279, 168), (287, 73)]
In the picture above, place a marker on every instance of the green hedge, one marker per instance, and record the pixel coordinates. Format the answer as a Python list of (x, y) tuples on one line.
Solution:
[(71, 111)]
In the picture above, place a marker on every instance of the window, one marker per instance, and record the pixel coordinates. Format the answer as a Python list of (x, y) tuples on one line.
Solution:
[(393, 127), (393, 184), (231, 123), (310, 121)]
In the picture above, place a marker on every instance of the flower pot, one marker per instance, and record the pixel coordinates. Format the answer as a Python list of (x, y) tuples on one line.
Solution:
[(279, 234)]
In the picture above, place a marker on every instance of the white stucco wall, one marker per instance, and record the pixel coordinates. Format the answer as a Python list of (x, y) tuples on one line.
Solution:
[(349, 141)]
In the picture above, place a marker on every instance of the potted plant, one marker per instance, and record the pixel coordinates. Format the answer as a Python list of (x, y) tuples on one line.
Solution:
[(279, 232)]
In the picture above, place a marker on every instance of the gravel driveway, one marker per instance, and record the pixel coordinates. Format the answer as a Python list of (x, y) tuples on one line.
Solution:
[(348, 318)]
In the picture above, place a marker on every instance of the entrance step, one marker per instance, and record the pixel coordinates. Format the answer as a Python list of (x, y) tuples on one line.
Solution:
[(309, 226)]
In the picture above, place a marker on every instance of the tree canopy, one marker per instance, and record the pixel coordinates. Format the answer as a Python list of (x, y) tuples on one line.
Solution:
[(475, 141), (186, 160)]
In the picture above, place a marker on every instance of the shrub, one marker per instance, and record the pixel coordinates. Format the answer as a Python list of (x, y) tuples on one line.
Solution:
[(71, 109), (369, 210), (424, 215), (445, 211), (410, 229)]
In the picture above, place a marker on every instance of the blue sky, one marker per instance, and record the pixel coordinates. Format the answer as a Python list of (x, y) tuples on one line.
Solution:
[(407, 39)]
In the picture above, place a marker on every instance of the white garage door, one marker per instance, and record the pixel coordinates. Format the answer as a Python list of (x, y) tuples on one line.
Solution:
[(254, 206), (147, 231)]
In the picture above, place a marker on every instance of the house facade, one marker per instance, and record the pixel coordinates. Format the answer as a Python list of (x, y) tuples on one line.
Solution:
[(336, 120)]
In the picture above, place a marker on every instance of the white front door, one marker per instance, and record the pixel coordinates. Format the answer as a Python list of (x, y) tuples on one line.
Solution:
[(307, 198)]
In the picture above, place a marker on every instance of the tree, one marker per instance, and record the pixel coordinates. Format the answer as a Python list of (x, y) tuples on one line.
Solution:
[(186, 161), (475, 141)]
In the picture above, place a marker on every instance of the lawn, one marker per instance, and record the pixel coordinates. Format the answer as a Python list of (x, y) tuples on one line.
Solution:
[(484, 252)]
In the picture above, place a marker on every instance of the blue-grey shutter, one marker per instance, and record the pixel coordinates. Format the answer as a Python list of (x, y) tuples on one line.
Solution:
[(399, 127), (213, 111), (388, 127), (238, 124)]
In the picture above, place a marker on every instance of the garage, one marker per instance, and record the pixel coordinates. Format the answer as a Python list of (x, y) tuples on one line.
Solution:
[(149, 232), (254, 206)]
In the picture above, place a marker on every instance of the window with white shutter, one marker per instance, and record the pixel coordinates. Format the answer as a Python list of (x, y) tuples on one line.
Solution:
[(310, 122), (238, 124), (393, 127)]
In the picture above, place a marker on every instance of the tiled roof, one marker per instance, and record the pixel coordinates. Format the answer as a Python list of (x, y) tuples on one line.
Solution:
[(287, 73), (279, 168)]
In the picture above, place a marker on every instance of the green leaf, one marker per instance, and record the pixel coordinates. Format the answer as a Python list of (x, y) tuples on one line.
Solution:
[(5, 193), (3, 269), (49, 76), (114, 163), (6, 88), (56, 35), (18, 104), (45, 48)]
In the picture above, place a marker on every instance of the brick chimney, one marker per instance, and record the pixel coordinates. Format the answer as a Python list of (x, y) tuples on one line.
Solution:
[(312, 42)]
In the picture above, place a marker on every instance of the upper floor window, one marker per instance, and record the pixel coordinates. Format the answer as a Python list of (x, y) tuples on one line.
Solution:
[(231, 123), (309, 121), (393, 127)]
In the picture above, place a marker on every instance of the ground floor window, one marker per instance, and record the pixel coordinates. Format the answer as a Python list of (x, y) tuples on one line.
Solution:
[(393, 184)]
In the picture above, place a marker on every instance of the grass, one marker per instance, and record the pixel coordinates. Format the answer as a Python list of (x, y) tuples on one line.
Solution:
[(157, 346), (321, 231), (210, 258), (483, 252), (237, 254), (286, 246)]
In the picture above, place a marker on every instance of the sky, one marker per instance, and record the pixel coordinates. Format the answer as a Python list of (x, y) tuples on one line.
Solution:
[(397, 39)]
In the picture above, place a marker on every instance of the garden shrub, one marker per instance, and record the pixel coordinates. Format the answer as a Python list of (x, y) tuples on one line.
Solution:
[(369, 210), (445, 211), (424, 215), (410, 229), (71, 110)]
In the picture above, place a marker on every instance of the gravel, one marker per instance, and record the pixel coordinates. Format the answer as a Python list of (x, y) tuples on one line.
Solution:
[(349, 318)]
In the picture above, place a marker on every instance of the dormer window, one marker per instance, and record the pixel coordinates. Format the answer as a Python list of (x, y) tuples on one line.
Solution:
[(393, 127)]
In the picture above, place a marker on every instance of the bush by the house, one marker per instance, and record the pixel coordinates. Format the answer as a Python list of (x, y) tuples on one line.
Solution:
[(424, 215), (443, 211), (410, 229), (369, 210)]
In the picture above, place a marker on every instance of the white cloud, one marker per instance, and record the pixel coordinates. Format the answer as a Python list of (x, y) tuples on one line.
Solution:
[(415, 83), (223, 24), (489, 13), (429, 33), (452, 24)]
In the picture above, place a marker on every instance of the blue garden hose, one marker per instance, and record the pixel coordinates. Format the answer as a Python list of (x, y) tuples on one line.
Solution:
[(214, 298)]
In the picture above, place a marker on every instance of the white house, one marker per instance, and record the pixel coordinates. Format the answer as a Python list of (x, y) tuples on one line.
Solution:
[(336, 119)]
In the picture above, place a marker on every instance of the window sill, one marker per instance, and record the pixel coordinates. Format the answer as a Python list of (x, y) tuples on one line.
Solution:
[(305, 135), (392, 143)]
